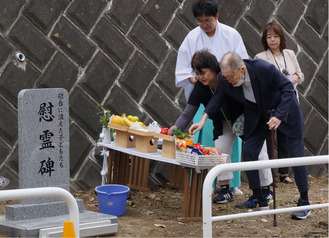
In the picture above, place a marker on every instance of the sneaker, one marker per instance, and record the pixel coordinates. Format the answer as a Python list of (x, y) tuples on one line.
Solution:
[(236, 191), (268, 194), (263, 205), (223, 197), (252, 203), (300, 215)]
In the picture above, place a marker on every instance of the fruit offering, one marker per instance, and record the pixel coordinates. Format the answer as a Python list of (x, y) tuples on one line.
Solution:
[(125, 120), (115, 119)]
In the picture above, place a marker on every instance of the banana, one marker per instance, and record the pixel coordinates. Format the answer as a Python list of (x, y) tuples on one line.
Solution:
[(122, 122), (127, 122)]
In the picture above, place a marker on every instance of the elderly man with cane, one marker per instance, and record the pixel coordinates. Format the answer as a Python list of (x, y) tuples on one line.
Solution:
[(260, 87)]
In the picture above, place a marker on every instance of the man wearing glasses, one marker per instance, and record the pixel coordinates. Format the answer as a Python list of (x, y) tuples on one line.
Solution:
[(260, 87), (218, 39)]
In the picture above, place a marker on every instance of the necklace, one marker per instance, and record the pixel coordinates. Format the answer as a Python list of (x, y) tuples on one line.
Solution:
[(284, 59), (277, 54)]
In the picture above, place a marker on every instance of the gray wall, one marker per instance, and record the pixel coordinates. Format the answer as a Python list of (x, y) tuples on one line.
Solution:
[(122, 53)]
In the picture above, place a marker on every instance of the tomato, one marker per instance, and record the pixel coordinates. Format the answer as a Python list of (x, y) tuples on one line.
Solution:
[(164, 131)]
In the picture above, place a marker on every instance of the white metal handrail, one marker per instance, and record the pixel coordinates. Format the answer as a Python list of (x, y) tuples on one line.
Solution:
[(245, 166), (17, 194)]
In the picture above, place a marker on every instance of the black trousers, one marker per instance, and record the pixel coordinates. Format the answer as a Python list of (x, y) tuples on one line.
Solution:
[(253, 145)]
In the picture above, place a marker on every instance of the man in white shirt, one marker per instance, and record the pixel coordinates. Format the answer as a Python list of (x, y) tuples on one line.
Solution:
[(216, 37)]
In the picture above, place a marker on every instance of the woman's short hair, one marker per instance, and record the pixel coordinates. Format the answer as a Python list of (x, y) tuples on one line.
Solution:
[(204, 59), (204, 7), (277, 29)]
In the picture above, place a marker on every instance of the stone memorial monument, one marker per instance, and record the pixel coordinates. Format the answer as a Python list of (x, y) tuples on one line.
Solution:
[(43, 150), (43, 145)]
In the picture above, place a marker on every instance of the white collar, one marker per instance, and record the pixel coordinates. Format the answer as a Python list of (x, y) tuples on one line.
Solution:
[(247, 78)]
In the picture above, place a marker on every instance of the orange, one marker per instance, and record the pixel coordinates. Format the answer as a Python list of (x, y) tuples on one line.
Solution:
[(116, 119)]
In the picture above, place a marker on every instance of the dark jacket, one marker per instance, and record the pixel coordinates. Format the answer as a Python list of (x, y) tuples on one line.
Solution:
[(230, 109), (272, 90)]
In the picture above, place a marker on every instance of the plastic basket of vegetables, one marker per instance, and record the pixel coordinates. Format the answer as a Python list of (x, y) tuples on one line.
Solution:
[(196, 155), (200, 160)]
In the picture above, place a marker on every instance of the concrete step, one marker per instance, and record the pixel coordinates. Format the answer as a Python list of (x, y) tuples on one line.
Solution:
[(91, 224)]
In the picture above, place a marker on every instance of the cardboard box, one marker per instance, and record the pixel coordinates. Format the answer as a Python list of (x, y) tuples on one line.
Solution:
[(145, 141), (168, 146), (123, 137)]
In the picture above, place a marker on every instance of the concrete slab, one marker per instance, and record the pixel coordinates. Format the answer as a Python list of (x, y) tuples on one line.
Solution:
[(92, 224), (32, 211)]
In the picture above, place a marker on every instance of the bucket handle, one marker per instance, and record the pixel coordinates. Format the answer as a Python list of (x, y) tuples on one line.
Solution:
[(113, 193)]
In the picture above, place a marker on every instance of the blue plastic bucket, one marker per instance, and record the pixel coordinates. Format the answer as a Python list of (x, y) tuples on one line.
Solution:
[(112, 199)]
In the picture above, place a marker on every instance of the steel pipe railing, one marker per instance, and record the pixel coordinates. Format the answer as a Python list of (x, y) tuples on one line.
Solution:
[(17, 194), (245, 166)]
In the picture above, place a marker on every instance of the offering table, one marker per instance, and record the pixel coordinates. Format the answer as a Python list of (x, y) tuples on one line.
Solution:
[(129, 167)]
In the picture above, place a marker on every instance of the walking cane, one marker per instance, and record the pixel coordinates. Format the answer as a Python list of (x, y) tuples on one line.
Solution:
[(273, 170)]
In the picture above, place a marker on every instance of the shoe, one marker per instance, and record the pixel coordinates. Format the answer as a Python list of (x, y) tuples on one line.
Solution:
[(300, 215), (268, 194), (285, 179), (223, 197), (252, 203), (236, 191), (263, 205)]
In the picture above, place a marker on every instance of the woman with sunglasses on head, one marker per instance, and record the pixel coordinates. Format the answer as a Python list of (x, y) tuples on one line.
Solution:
[(285, 60)]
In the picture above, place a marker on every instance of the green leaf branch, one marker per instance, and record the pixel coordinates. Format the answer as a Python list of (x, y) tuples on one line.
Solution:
[(105, 118)]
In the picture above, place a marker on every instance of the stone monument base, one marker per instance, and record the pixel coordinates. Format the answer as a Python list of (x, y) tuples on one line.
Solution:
[(30, 211), (91, 224)]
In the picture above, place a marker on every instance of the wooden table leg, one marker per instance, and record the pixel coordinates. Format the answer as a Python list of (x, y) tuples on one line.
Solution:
[(192, 204), (109, 166), (193, 193), (139, 171), (118, 168), (198, 202), (176, 179), (186, 198)]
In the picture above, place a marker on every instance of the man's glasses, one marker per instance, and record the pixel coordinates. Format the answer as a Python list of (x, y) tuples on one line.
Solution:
[(206, 22), (234, 76)]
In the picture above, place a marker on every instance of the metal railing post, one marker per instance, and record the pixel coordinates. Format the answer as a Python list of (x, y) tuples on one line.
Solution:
[(245, 166), (17, 194)]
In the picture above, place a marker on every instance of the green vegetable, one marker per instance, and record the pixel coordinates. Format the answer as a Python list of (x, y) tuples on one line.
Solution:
[(179, 134)]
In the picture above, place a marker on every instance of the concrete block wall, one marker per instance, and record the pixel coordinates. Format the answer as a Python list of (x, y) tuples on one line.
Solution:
[(122, 54)]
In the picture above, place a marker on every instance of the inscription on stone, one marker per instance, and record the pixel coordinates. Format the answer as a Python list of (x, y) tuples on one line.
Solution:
[(43, 132)]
